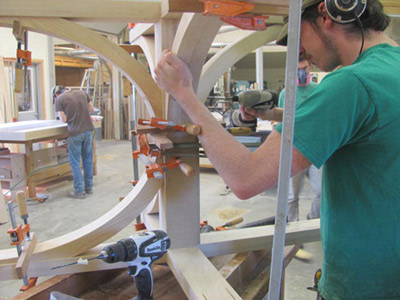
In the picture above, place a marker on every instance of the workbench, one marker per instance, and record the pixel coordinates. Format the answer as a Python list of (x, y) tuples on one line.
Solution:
[(30, 132)]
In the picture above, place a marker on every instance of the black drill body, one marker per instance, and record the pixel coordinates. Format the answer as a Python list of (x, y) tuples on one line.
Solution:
[(139, 251)]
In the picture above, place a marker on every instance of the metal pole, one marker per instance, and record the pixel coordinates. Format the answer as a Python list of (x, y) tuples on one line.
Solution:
[(133, 139), (286, 149), (260, 68)]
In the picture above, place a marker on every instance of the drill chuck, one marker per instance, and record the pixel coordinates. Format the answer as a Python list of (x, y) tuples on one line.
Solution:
[(124, 250)]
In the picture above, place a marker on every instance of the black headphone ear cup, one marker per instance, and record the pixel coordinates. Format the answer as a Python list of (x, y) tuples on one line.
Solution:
[(345, 11)]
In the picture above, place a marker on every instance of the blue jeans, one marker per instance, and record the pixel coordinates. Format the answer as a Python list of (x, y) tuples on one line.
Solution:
[(80, 146)]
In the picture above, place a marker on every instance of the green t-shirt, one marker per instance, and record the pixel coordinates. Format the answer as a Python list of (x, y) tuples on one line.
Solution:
[(302, 93), (351, 124)]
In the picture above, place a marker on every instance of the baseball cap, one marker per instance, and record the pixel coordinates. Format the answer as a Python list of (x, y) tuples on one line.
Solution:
[(282, 37), (58, 89)]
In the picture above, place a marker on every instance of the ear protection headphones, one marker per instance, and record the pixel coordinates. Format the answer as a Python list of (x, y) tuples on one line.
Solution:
[(345, 11)]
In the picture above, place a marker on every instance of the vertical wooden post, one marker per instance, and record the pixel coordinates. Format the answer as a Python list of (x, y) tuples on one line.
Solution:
[(29, 168), (180, 203)]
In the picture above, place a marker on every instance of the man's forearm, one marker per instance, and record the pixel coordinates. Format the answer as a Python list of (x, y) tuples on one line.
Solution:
[(62, 116), (232, 160)]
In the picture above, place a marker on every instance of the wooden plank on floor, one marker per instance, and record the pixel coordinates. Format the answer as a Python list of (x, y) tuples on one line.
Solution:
[(258, 288), (241, 269), (198, 278), (165, 287), (257, 238), (70, 284)]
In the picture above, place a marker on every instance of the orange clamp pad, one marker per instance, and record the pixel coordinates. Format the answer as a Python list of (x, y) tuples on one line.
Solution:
[(31, 283), (221, 228), (144, 147), (19, 232), (25, 56), (247, 22), (162, 168), (226, 7)]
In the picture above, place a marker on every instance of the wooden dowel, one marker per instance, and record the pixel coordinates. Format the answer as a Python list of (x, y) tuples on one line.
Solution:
[(193, 129), (21, 200), (186, 169)]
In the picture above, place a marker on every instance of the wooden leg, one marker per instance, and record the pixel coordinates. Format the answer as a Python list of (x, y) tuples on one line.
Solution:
[(29, 169)]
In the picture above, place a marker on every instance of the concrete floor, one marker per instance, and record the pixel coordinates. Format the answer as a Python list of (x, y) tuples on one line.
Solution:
[(60, 215)]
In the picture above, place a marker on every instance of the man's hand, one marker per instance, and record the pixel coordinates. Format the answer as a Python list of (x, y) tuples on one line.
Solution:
[(274, 114), (174, 76), (248, 114)]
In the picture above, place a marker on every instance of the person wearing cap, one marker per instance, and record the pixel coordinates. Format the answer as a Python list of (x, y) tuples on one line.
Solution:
[(74, 108), (349, 124)]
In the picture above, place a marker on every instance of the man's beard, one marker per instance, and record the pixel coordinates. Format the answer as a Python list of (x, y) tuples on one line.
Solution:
[(333, 59)]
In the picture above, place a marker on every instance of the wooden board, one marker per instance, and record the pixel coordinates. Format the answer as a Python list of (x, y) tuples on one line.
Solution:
[(70, 284), (196, 275), (25, 258), (257, 238), (128, 11), (72, 62), (32, 130), (391, 7)]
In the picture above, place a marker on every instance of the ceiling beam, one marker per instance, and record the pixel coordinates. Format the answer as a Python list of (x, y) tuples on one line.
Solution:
[(78, 10), (263, 7), (134, 10)]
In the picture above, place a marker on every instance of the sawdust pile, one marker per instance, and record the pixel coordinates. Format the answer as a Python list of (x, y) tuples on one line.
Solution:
[(228, 213), (107, 157)]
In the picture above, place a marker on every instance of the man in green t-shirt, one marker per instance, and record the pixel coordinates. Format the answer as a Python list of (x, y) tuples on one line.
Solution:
[(313, 174), (349, 123)]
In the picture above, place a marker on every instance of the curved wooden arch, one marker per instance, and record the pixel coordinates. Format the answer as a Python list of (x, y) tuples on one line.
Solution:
[(225, 58), (85, 238), (193, 40), (104, 48), (148, 47)]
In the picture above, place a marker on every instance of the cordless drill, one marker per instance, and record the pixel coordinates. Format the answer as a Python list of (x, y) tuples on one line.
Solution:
[(257, 99), (139, 251)]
